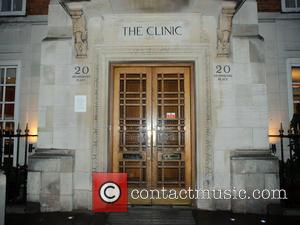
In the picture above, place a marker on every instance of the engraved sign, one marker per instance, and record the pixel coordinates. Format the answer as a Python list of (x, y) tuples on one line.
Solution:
[(222, 72), (81, 72), (176, 30), (152, 30)]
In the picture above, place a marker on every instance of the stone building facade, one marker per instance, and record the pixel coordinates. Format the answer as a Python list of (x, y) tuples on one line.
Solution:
[(66, 55)]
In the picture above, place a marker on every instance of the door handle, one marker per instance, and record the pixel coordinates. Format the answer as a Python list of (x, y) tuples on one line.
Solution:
[(154, 138), (149, 138)]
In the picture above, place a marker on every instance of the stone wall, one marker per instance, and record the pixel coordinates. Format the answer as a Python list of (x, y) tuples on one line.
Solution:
[(282, 48), (240, 103), (50, 179), (253, 170)]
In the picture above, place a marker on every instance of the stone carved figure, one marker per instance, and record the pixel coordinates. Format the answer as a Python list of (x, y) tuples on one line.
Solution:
[(224, 30), (80, 33)]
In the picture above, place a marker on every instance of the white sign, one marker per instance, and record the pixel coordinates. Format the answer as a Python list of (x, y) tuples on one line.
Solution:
[(223, 72), (80, 103)]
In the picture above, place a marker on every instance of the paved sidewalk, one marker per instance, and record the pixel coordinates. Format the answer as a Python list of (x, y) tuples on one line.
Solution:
[(149, 216)]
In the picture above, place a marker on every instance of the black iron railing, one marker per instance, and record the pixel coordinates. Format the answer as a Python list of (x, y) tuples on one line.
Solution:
[(289, 157), (14, 149)]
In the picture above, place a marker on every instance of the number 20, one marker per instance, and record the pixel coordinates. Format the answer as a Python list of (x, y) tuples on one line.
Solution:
[(225, 69), (85, 69)]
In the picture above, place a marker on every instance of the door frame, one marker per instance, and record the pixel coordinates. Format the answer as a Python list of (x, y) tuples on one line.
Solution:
[(189, 64)]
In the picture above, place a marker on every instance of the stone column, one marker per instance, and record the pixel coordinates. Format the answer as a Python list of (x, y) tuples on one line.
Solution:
[(252, 166)]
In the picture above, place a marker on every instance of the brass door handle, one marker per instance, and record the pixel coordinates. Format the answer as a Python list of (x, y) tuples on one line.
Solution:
[(149, 138), (154, 138)]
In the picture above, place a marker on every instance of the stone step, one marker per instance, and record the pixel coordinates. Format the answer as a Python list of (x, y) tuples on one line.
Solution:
[(144, 216)]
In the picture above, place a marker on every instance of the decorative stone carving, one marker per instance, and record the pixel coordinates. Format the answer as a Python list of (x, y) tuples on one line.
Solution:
[(80, 33), (224, 28), (209, 155)]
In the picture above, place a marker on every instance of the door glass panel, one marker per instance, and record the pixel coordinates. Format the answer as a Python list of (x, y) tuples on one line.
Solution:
[(170, 128), (132, 111), (133, 135), (133, 86), (170, 85)]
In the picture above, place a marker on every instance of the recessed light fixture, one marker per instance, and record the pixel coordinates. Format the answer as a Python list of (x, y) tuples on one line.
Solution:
[(263, 221)]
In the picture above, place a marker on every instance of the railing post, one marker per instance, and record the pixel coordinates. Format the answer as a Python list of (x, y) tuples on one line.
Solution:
[(290, 136), (292, 144), (26, 144), (25, 164), (16, 172), (18, 145), (10, 147), (281, 131)]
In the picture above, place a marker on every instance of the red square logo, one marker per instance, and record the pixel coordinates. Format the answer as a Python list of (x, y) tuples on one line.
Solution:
[(110, 192)]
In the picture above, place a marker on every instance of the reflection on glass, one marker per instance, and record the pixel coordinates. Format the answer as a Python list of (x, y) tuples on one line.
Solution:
[(290, 3), (9, 111), (10, 94), (1, 94), (11, 76), (2, 72), (6, 5), (17, 6)]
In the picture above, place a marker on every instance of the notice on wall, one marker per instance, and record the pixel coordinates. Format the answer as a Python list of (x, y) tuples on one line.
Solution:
[(81, 72), (171, 115), (223, 72), (80, 103)]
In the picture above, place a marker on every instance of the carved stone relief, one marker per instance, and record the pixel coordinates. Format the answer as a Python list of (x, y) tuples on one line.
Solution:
[(224, 29), (79, 32)]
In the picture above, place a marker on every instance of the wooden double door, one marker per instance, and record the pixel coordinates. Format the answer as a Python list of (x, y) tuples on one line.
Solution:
[(151, 138)]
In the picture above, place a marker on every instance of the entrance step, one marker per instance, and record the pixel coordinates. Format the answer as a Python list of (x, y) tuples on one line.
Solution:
[(152, 216)]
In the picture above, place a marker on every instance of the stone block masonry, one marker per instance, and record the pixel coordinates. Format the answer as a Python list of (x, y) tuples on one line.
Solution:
[(251, 170), (50, 180)]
